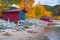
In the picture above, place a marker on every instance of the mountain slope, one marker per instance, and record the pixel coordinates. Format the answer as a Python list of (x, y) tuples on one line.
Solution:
[(55, 9)]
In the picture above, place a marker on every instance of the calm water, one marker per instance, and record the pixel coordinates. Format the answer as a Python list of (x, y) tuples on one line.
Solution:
[(54, 34)]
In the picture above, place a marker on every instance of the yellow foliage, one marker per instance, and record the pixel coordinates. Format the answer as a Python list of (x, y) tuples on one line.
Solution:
[(28, 6), (44, 12), (1, 8), (31, 10)]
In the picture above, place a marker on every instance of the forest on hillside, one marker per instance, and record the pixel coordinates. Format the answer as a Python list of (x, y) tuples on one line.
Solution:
[(54, 9)]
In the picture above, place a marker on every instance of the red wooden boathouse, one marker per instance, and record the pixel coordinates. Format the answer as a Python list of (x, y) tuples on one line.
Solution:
[(14, 14)]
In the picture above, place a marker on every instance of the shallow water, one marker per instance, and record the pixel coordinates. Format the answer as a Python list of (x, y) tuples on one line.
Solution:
[(54, 34)]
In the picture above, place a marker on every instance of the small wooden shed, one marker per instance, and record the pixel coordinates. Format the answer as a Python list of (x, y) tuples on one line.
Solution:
[(14, 14)]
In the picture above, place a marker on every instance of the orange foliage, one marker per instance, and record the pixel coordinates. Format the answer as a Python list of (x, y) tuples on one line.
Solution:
[(58, 17), (31, 10), (28, 6)]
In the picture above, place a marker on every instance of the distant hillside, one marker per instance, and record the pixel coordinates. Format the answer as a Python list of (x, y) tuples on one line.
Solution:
[(48, 8), (57, 6), (54, 9)]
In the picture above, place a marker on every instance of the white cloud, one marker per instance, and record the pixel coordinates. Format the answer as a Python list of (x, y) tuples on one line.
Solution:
[(47, 2)]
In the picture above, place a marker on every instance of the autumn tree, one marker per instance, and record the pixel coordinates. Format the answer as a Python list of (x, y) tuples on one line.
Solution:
[(37, 12)]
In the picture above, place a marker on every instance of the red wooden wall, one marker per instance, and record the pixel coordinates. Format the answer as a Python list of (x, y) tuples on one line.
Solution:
[(13, 16)]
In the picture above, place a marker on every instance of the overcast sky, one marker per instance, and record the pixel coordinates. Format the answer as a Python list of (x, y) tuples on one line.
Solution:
[(47, 2)]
